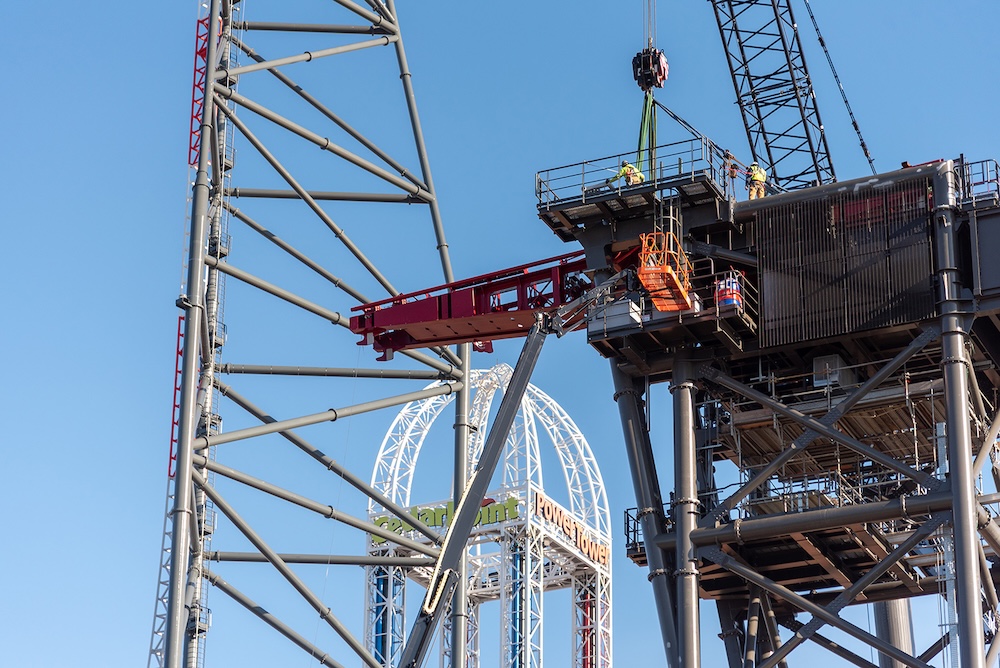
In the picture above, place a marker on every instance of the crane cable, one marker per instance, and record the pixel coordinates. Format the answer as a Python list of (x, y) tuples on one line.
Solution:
[(843, 94), (649, 23), (649, 67)]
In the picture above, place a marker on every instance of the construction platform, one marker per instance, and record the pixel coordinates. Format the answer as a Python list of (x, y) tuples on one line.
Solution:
[(797, 300), (844, 269)]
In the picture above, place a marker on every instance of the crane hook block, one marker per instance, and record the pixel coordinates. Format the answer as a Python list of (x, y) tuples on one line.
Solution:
[(649, 68)]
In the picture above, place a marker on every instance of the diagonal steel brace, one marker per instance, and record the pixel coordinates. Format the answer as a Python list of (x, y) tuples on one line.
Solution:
[(852, 592), (445, 577), (716, 376), (802, 442), (729, 563)]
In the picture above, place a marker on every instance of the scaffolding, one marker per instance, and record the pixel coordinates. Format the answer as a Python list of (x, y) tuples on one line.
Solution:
[(828, 460)]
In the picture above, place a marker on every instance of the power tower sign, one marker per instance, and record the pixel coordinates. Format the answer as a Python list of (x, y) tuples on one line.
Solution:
[(524, 542), (592, 547)]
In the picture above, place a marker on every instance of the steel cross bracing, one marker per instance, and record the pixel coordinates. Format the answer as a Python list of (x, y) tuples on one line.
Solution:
[(859, 490), (267, 93), (774, 91)]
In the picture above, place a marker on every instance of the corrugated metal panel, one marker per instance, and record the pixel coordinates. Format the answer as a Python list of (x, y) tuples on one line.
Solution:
[(845, 263), (824, 294), (913, 285), (867, 284), (781, 299)]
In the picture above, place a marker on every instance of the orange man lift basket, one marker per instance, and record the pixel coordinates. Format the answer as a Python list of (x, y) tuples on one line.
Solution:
[(664, 270)]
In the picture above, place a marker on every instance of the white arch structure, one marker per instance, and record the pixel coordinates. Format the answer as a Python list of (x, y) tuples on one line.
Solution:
[(539, 546)]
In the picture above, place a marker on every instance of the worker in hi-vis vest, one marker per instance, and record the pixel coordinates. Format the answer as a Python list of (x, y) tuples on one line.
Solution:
[(632, 175), (755, 180)]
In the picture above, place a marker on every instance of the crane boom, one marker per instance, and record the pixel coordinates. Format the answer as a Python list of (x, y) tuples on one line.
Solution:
[(774, 90)]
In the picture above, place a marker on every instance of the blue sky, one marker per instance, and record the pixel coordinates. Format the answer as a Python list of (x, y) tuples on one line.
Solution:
[(94, 187)]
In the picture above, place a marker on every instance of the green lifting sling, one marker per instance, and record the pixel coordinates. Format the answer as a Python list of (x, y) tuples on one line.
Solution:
[(645, 153)]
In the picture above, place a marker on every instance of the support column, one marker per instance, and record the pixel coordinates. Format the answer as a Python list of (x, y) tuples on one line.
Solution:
[(959, 437), (628, 395), (771, 624), (460, 599), (418, 138), (732, 631), (194, 303), (894, 625), (686, 513), (753, 628)]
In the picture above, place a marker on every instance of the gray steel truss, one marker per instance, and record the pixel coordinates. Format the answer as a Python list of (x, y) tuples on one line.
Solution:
[(266, 95)]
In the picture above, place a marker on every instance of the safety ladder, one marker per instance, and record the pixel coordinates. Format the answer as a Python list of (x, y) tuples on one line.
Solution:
[(158, 636), (664, 268)]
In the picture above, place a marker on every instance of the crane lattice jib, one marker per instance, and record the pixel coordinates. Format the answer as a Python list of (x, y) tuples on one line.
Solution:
[(774, 90)]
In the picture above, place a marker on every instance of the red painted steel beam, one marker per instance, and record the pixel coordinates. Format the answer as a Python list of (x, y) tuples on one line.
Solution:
[(493, 306)]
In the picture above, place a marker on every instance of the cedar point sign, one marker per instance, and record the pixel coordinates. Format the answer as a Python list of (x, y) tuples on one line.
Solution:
[(524, 541)]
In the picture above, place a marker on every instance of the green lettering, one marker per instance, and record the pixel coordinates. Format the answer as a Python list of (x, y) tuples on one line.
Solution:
[(493, 513), (512, 508), (379, 522)]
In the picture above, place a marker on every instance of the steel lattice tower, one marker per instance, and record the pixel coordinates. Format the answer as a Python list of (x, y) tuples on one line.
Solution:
[(305, 138)]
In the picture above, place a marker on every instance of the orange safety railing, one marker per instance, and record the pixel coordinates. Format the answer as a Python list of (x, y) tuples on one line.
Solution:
[(665, 271)]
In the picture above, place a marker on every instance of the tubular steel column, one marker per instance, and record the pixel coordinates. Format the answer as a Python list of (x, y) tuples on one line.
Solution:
[(194, 304), (686, 514), (649, 501), (959, 438), (894, 625), (460, 599), (418, 137), (732, 631)]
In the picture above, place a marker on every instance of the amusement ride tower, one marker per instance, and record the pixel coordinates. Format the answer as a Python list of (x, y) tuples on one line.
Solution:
[(306, 151), (524, 544)]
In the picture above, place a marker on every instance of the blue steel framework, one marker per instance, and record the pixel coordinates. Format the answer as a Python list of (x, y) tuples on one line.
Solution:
[(387, 604)]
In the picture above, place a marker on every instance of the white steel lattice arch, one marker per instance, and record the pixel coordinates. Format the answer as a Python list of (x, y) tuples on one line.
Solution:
[(400, 449), (542, 547)]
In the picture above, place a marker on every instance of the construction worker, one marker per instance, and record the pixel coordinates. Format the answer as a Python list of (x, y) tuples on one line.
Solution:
[(756, 178), (632, 175)]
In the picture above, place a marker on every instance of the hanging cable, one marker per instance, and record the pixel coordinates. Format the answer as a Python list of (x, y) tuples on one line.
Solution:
[(649, 68), (649, 23), (843, 94)]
